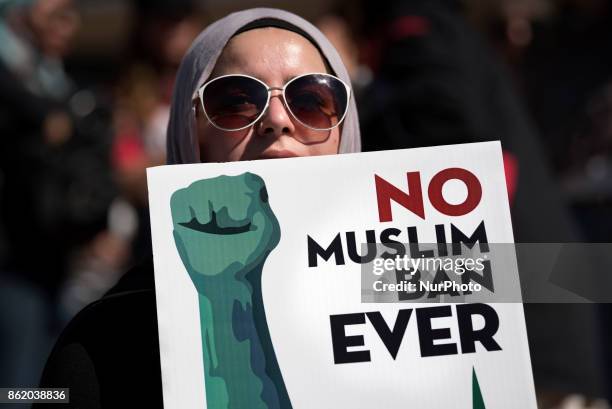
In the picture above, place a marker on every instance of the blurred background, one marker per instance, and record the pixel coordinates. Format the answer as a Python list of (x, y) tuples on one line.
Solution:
[(85, 89)]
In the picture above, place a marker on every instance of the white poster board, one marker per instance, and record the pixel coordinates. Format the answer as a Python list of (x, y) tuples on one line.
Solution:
[(329, 348)]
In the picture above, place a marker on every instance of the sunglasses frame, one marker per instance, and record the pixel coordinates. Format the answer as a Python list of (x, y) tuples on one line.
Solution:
[(284, 100)]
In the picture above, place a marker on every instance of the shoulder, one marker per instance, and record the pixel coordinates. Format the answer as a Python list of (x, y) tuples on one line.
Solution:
[(109, 353), (138, 278), (121, 315)]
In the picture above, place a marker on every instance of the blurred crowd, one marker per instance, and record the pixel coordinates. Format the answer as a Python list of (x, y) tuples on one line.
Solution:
[(85, 90)]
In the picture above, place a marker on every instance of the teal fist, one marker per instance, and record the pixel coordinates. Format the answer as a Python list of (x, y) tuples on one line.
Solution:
[(224, 230), (223, 226)]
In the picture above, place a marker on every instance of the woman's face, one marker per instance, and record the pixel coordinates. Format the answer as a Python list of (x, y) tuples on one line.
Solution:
[(274, 56), (54, 23)]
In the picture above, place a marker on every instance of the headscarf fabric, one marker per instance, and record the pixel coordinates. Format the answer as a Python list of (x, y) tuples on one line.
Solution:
[(200, 60)]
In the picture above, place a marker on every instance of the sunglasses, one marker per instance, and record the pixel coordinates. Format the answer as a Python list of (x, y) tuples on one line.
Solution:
[(234, 102)]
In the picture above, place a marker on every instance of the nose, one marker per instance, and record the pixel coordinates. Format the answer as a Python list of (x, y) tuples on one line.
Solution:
[(276, 121)]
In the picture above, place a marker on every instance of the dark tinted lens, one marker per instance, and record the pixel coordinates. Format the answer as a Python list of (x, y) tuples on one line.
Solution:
[(318, 101), (234, 102)]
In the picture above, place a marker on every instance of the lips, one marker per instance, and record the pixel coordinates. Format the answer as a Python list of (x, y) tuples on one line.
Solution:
[(277, 154)]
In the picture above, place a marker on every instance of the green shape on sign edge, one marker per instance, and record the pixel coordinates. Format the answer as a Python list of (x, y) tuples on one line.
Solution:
[(477, 400)]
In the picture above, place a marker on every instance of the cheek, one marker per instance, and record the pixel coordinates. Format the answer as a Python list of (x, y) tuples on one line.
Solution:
[(336, 139), (220, 146), (330, 146)]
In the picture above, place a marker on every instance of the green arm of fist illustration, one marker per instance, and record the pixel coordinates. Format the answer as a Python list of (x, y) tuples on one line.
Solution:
[(224, 230)]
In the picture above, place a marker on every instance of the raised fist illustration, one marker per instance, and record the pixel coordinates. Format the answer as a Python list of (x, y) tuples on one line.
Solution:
[(224, 230)]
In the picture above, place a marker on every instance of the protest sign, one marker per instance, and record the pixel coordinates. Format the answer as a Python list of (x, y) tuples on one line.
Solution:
[(264, 284)]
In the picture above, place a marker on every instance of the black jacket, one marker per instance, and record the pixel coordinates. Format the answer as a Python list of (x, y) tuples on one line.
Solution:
[(109, 354)]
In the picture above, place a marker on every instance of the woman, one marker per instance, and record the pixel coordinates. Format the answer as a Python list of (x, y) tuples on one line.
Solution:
[(239, 95)]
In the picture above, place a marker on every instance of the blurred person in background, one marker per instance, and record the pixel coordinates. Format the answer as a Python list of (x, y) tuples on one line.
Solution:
[(436, 82), (55, 181), (160, 33), (559, 52), (163, 32), (588, 183), (563, 69)]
